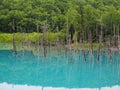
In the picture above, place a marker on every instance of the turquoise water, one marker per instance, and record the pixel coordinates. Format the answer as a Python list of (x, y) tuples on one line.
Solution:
[(59, 71)]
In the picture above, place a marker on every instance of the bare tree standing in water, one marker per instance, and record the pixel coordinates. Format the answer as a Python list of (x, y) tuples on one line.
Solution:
[(109, 50), (83, 48), (70, 48), (100, 42), (14, 41), (91, 47), (38, 43), (58, 43), (44, 38), (118, 38)]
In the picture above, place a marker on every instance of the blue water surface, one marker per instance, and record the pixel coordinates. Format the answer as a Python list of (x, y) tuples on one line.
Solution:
[(64, 70)]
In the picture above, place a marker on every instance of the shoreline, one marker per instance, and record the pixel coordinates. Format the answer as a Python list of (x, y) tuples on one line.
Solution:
[(6, 86), (9, 46)]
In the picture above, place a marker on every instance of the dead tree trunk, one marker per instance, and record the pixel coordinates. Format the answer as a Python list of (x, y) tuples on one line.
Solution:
[(70, 48), (14, 41), (100, 41), (109, 50), (44, 39), (38, 43), (118, 38), (100, 48), (58, 44), (91, 46), (22, 39), (76, 42), (83, 48)]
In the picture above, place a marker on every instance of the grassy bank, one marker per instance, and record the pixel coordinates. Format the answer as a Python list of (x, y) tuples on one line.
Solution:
[(7, 38), (33, 37)]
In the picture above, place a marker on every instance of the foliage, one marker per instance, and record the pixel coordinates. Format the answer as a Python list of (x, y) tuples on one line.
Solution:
[(83, 15)]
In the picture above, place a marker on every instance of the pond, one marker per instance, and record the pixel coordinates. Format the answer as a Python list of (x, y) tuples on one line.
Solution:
[(29, 71)]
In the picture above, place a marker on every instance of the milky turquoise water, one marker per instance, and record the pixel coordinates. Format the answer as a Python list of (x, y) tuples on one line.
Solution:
[(59, 71)]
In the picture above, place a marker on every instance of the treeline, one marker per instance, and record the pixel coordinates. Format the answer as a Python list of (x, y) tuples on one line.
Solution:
[(74, 17)]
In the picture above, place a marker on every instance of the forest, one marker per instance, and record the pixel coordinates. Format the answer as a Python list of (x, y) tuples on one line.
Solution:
[(77, 18)]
